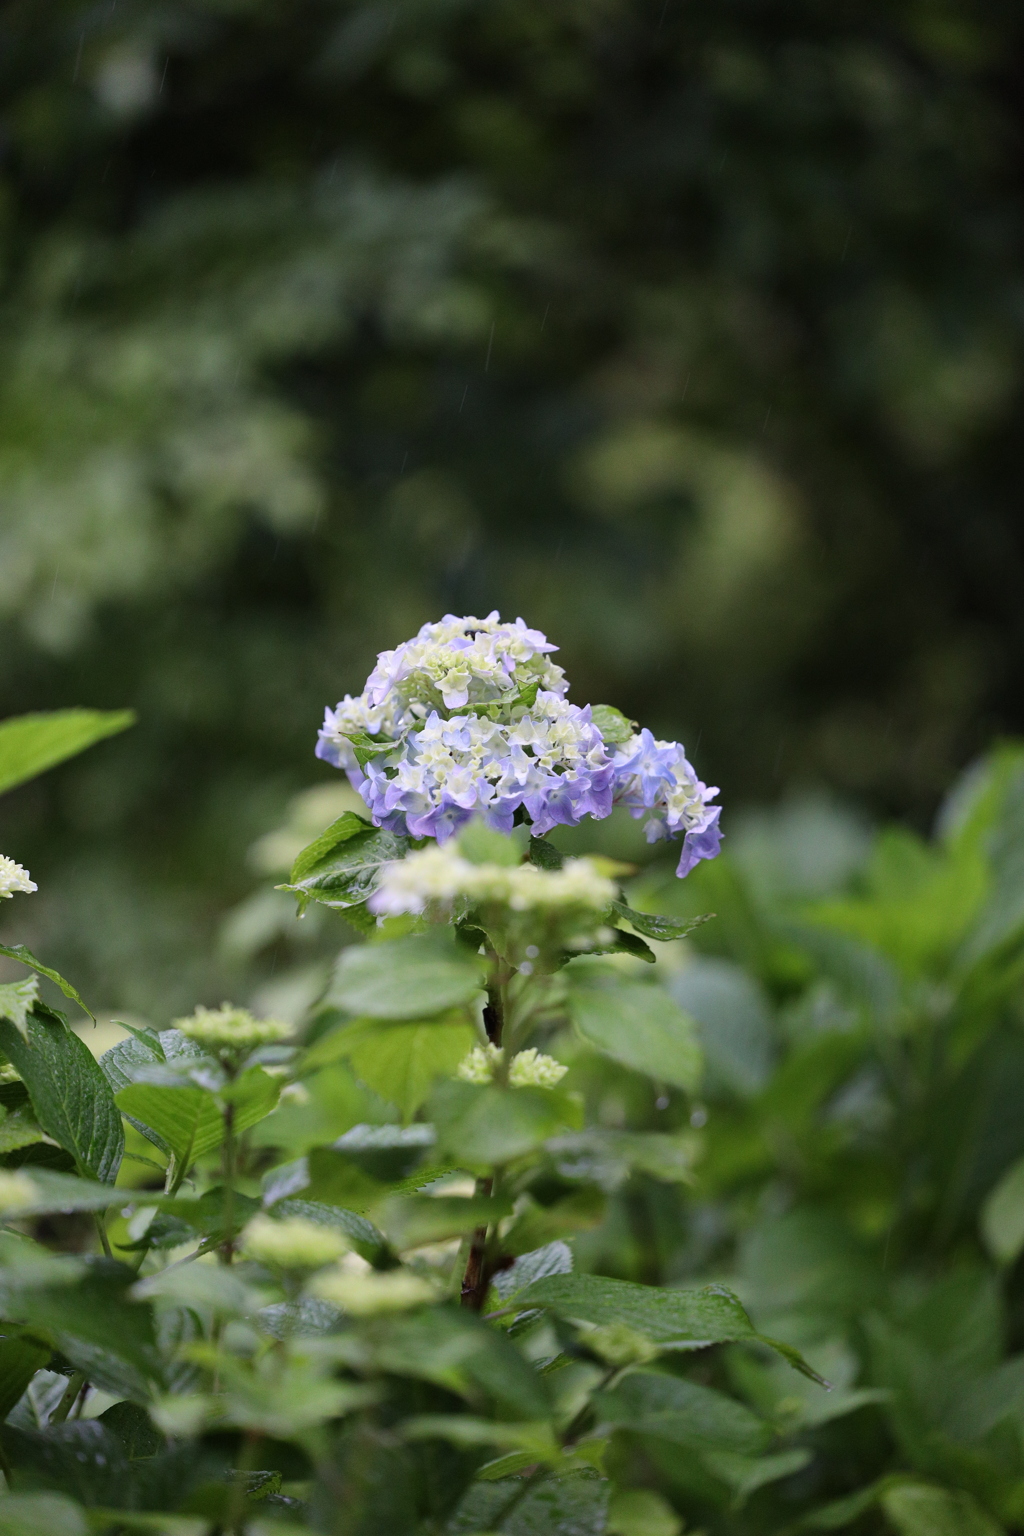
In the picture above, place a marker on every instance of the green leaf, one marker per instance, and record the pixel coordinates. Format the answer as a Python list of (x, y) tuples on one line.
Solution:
[(134, 1430), (189, 1119), (673, 1319), (454, 1349), (63, 1192), (347, 826), (563, 1506), (1002, 1215), (544, 854), (479, 1126), (346, 876), (921, 1509), (661, 928), (640, 1026), (41, 1514), (614, 726), (20, 1357), (17, 999), (91, 1306), (401, 1061), (19, 1128), (25, 957), (408, 978), (480, 844), (367, 747), (410, 1221), (70, 1095), (29, 744), (650, 1402), (641, 1512), (622, 942)]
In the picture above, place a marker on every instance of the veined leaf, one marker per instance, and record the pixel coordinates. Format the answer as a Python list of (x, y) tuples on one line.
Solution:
[(189, 1119), (17, 999), (70, 1095), (41, 1514), (661, 928), (347, 826), (63, 1192), (347, 875), (640, 1026), (615, 727), (408, 978), (481, 1125), (401, 1061), (673, 1319), (26, 957), (29, 744), (409, 1221)]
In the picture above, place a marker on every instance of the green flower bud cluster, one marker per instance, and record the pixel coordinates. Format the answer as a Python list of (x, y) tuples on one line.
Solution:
[(527, 1069), (231, 1029), (293, 1243)]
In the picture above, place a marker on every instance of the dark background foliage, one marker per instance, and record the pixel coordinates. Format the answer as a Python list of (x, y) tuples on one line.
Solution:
[(692, 334)]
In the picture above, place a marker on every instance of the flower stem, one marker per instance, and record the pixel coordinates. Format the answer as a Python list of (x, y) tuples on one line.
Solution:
[(227, 1251)]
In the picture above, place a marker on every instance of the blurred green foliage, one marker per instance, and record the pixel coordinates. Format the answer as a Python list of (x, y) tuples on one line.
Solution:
[(693, 334)]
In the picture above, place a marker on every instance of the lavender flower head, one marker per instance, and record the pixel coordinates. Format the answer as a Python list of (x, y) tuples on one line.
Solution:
[(472, 719)]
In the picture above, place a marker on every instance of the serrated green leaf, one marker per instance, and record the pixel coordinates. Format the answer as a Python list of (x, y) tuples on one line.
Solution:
[(614, 726), (189, 1119), (641, 1027), (566, 1506), (408, 978), (17, 999), (622, 942), (402, 1060), (91, 1306), (663, 929), (673, 1319), (70, 1095), (544, 854), (133, 1429), (341, 831), (651, 1402), (347, 875), (30, 744), (26, 957), (922, 1509)]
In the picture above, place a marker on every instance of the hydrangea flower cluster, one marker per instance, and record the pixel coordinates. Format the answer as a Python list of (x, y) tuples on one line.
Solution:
[(472, 719), (656, 776), (14, 878), (372, 1292), (17, 1192), (438, 876), (231, 1030), (527, 1069)]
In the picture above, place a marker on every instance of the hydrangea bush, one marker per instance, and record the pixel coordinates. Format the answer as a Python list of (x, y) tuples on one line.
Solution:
[(265, 1277)]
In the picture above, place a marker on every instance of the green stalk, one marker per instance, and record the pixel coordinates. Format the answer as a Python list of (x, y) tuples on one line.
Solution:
[(67, 1402), (227, 1252)]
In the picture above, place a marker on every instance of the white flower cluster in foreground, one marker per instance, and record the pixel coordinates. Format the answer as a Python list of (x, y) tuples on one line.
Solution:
[(231, 1029), (439, 875), (293, 1243), (372, 1292), (14, 878), (17, 1192), (527, 1069)]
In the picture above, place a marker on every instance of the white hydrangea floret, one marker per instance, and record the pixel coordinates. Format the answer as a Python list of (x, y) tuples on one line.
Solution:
[(372, 1292), (13, 877), (232, 1029), (479, 1065), (293, 1243), (532, 1069), (439, 875), (17, 1191), (527, 1069)]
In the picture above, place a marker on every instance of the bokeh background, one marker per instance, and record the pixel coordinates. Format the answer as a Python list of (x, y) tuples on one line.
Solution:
[(694, 334)]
